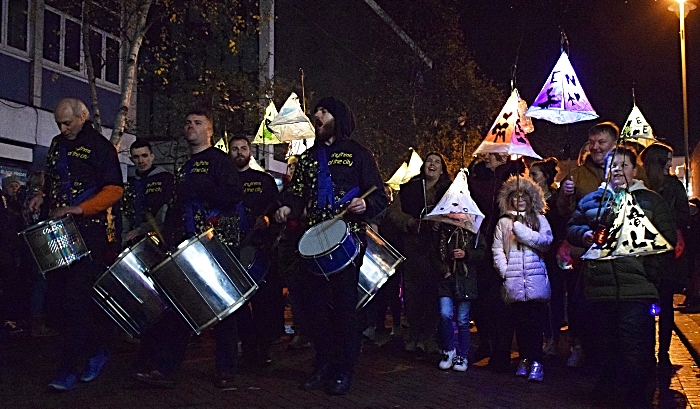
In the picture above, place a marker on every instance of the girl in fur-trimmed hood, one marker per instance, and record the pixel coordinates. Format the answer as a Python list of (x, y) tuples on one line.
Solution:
[(521, 238)]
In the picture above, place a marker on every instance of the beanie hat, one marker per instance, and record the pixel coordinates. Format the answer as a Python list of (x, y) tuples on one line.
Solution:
[(9, 179), (344, 119)]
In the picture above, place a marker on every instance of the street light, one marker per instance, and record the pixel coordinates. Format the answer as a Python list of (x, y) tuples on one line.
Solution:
[(682, 8)]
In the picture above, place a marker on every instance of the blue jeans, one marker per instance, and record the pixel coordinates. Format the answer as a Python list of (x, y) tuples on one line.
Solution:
[(447, 333)]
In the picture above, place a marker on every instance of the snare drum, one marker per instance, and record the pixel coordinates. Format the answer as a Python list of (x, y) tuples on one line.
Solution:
[(55, 243), (378, 265), (329, 247), (204, 281), (127, 293)]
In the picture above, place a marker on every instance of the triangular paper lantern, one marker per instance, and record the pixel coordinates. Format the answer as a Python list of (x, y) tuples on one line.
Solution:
[(631, 234), (264, 135), (562, 100), (297, 147), (637, 129), (291, 123), (222, 144), (254, 164), (507, 134), (457, 206), (397, 178), (414, 165)]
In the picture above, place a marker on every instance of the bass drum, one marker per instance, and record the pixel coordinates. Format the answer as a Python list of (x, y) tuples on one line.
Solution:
[(378, 265), (204, 281), (127, 293)]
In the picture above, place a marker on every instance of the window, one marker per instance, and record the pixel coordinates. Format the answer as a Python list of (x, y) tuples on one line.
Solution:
[(63, 45), (13, 23)]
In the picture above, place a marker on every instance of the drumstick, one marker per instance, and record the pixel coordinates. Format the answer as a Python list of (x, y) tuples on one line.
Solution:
[(364, 195), (154, 226)]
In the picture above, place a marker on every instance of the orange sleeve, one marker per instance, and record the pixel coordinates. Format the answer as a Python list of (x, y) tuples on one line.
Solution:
[(102, 201)]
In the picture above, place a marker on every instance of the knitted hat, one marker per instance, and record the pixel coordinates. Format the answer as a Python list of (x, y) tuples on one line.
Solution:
[(9, 179), (344, 119)]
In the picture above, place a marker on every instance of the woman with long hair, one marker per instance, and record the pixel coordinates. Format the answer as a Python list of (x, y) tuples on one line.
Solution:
[(416, 198)]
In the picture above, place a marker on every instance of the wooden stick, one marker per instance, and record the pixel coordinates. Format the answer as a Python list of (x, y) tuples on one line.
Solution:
[(364, 195)]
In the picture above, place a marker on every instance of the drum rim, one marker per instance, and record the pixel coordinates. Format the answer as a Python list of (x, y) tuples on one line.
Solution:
[(358, 245), (47, 222), (330, 250), (129, 249)]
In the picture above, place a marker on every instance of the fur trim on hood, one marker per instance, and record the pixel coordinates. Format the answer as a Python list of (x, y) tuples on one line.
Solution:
[(526, 185)]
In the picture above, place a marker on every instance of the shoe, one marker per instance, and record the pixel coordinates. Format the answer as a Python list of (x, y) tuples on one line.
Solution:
[(224, 380), (156, 378), (95, 365), (395, 330), (523, 367), (299, 342), (317, 380), (410, 346), (576, 358), (460, 364), (447, 359), (420, 345), (536, 372), (63, 383), (370, 333), (341, 384), (550, 347), (13, 328)]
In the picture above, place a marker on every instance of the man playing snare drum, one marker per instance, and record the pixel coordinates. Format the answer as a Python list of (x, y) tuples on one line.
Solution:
[(207, 194), (146, 195), (83, 179), (329, 179)]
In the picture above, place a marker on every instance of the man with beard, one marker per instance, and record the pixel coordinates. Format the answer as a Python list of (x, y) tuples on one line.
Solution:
[(83, 179), (261, 320), (146, 195), (328, 180), (207, 193)]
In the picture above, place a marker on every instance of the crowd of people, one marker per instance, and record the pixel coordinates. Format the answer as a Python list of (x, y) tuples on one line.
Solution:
[(521, 273)]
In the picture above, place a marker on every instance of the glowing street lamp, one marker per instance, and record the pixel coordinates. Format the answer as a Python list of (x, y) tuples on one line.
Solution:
[(682, 8)]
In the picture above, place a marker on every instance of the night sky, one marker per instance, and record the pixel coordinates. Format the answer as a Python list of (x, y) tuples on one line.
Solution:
[(613, 44)]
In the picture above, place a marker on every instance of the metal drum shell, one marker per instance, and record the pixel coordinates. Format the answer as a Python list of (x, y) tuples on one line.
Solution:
[(204, 281), (378, 265), (127, 293), (51, 253)]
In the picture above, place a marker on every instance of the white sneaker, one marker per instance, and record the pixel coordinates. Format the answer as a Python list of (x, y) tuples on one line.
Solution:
[(447, 359), (576, 358), (460, 364)]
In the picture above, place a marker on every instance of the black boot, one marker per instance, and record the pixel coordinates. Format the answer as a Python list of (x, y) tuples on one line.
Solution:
[(341, 384), (320, 377)]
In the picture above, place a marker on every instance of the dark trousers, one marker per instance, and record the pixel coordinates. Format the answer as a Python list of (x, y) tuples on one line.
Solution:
[(330, 303), (387, 296), (71, 308), (490, 315), (261, 320), (555, 312), (624, 348), (527, 318), (666, 290)]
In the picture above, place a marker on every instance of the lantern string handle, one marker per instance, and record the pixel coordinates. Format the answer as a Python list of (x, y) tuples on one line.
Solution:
[(564, 40), (514, 68)]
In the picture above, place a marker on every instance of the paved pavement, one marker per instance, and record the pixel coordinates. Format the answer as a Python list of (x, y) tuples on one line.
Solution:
[(387, 377)]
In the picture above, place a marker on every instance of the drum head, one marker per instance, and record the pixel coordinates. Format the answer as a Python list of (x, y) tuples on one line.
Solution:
[(322, 237)]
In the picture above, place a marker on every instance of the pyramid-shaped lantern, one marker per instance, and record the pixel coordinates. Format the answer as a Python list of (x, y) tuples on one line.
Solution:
[(562, 100), (507, 134), (631, 234), (264, 135), (406, 171), (637, 129), (291, 123), (397, 178), (457, 206)]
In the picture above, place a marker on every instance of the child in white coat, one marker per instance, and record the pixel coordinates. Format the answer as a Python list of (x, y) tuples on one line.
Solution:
[(521, 238)]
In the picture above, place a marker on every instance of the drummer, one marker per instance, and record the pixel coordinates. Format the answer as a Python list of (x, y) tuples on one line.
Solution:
[(263, 322), (146, 195), (329, 178), (207, 194), (83, 179)]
